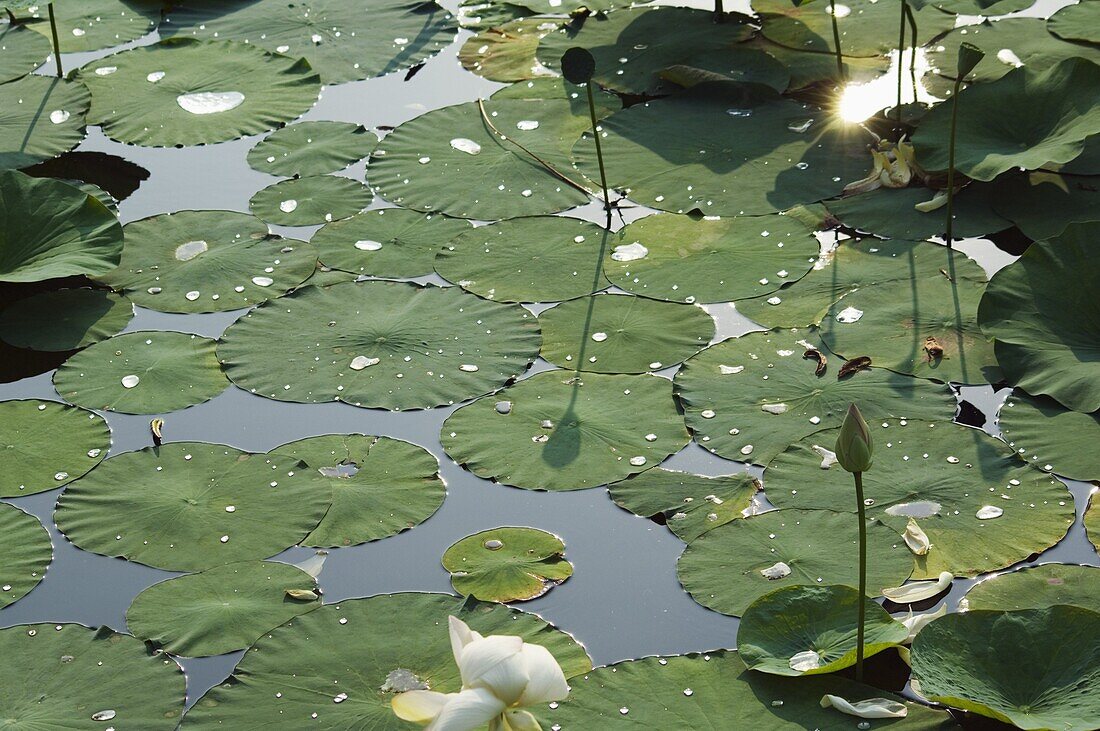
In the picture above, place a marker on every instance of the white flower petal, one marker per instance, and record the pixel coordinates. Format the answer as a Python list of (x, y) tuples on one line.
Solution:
[(521, 721), (870, 708), (466, 711), (461, 635), (419, 706), (915, 538), (495, 663), (546, 681), (915, 622), (919, 590)]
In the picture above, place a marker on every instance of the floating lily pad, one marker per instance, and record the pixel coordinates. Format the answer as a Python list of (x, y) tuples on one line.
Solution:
[(623, 333), (21, 51), (222, 609), (891, 213), (311, 200), (207, 261), (48, 444), (311, 148), (341, 40), (90, 25), (70, 676), (380, 486), (1078, 22), (536, 259), (557, 432), (749, 397), (1007, 45), (25, 552), (186, 92), (507, 564), (391, 242), (1038, 587), (809, 630), (728, 568), (142, 373), (64, 319), (1050, 437), (690, 505), (506, 53), (380, 345), (1048, 336), (980, 508), (288, 674), (1043, 204), (189, 506), (1034, 669)]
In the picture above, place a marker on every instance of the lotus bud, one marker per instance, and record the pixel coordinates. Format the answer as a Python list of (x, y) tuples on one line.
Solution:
[(577, 65), (969, 57), (854, 446)]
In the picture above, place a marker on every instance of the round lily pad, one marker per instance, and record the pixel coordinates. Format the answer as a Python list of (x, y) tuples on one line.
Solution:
[(747, 398), (980, 508), (222, 609), (21, 51), (289, 674), (90, 25), (207, 261), (380, 486), (507, 564), (142, 372), (1050, 437), (1078, 22), (891, 213), (48, 444), (379, 344), (51, 229), (311, 148), (1048, 339), (728, 568), (506, 52), (342, 41), (623, 333), (557, 431), (809, 630), (25, 552), (189, 506), (1007, 43), (390, 242), (690, 505), (1034, 669), (42, 117), (186, 92), (69, 676), (535, 259), (1038, 587), (64, 319), (312, 200)]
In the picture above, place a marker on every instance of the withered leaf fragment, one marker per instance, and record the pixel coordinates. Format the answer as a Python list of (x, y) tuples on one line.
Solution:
[(303, 595), (822, 361), (933, 348), (855, 364)]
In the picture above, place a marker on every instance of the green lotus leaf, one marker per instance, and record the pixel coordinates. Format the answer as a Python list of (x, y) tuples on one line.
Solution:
[(747, 398), (1034, 669), (1007, 43), (810, 630), (311, 148), (609, 333), (23, 51), (533, 259), (891, 213), (1048, 340), (89, 25), (506, 53), (980, 509), (311, 200), (391, 242), (1092, 525), (25, 552), (740, 64), (1037, 121), (145, 372), (1037, 587), (379, 344), (478, 15), (728, 568), (807, 68), (77, 441), (69, 676), (380, 486), (289, 673), (222, 609), (342, 40), (186, 92), (64, 319), (1043, 204), (1078, 22), (207, 261), (690, 505), (190, 506), (560, 431), (1050, 437), (507, 564)]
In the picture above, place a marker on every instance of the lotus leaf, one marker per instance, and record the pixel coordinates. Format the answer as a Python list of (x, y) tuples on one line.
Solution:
[(78, 440), (507, 564), (64, 319), (312, 200), (89, 25), (1051, 438), (311, 148), (25, 552), (1037, 587)]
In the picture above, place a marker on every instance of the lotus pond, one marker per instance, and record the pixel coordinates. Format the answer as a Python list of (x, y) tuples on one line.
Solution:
[(383, 365)]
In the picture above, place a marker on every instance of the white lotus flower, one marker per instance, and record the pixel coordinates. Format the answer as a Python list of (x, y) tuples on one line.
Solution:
[(501, 674)]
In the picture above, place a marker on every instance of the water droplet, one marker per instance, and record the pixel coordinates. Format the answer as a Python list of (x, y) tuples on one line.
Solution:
[(776, 571), (774, 408), (93, 453), (224, 539), (739, 112), (629, 252), (989, 512), (288, 206), (360, 362), (155, 77), (468, 146), (106, 70), (849, 315), (103, 715), (599, 337), (191, 249), (130, 381), (230, 508), (263, 281), (624, 710), (468, 368), (747, 449), (504, 407), (210, 102), (493, 544), (637, 461), (707, 413), (61, 476), (59, 116), (340, 698), (527, 125)]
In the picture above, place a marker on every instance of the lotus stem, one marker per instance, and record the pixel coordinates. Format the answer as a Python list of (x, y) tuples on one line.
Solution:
[(860, 626), (719, 12), (949, 235), (901, 51), (599, 148), (912, 18), (836, 41), (56, 43)]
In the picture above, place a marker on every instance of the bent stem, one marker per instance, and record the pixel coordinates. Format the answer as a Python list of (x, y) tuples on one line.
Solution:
[(908, 10), (836, 41), (56, 44), (599, 149), (951, 163), (901, 52), (862, 574)]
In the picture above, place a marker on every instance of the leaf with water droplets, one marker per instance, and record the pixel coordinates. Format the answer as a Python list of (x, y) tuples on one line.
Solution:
[(25, 552), (43, 117), (77, 440), (311, 148), (311, 200), (23, 51), (506, 52), (507, 564), (90, 25)]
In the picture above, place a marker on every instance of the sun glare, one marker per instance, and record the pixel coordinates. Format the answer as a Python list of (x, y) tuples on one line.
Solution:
[(860, 101)]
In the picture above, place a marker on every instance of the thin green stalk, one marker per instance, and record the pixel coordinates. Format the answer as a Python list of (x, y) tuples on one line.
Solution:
[(56, 43), (719, 12), (901, 51), (599, 148), (862, 574), (951, 163), (836, 41), (912, 18)]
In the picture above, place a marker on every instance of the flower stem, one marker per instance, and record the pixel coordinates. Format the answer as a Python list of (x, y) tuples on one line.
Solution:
[(56, 44), (719, 12), (836, 41), (862, 574), (951, 164), (901, 51), (599, 148)]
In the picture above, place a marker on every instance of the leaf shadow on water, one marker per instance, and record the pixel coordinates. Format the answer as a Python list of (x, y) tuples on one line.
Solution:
[(116, 175)]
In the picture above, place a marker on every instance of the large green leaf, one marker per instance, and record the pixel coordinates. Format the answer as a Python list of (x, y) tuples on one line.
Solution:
[(25, 552), (380, 486), (946, 478), (222, 609), (64, 319), (47, 445), (312, 148), (40, 118), (891, 213), (1040, 586), (1043, 204), (1050, 437), (145, 372), (1034, 669), (51, 229), (1048, 336), (189, 506), (311, 200), (89, 25), (507, 564), (557, 432), (71, 677), (728, 568), (359, 652), (23, 51), (186, 92), (379, 344), (1007, 43), (506, 53), (1077, 22)]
